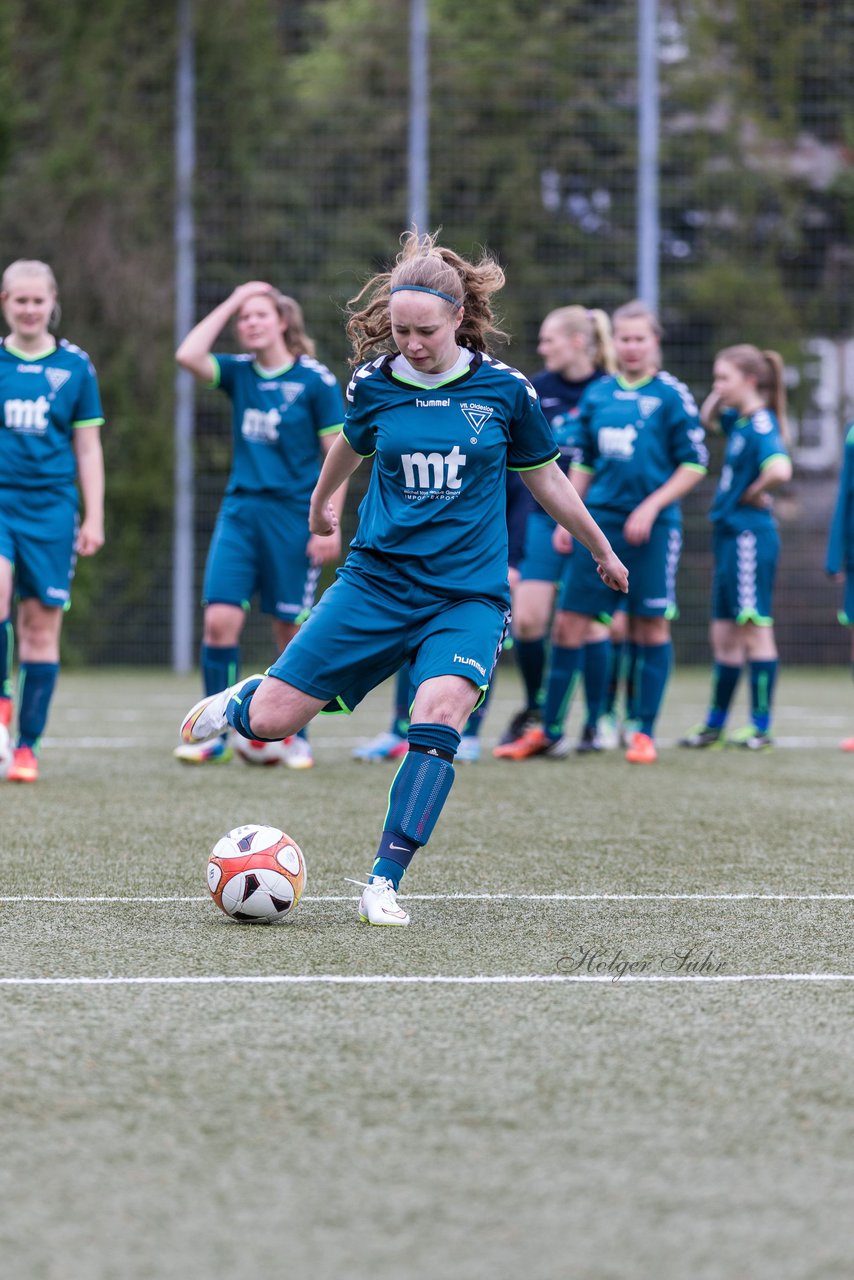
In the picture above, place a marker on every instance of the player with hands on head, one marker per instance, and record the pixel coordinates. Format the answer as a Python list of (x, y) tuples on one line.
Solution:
[(286, 411), (50, 446), (747, 403), (426, 576), (640, 449)]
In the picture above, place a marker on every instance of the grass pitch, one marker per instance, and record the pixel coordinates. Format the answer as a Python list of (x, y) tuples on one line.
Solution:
[(626, 1053)]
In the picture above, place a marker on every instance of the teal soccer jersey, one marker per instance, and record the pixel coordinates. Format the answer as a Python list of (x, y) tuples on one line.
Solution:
[(633, 436), (840, 543), (277, 420), (42, 401), (752, 442), (435, 506)]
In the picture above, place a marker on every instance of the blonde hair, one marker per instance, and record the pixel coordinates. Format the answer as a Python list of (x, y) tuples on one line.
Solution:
[(423, 264), (33, 267), (595, 327), (288, 309), (767, 368), (637, 309)]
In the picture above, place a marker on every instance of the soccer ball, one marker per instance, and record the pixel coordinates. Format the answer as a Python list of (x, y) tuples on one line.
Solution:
[(256, 874), (258, 752)]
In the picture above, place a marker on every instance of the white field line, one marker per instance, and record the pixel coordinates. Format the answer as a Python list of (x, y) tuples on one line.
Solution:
[(434, 979), (471, 897), (347, 743)]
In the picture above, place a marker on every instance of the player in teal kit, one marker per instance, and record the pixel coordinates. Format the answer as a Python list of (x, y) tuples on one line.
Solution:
[(748, 402), (640, 449), (426, 577), (840, 546), (50, 419), (286, 411)]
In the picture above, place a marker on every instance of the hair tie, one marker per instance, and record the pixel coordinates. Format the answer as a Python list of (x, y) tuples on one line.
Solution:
[(422, 288)]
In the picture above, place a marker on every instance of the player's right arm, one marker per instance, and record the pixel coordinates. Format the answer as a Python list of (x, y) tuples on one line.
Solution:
[(194, 352), (338, 465)]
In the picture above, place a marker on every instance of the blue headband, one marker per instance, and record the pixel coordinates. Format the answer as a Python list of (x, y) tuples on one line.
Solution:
[(422, 288)]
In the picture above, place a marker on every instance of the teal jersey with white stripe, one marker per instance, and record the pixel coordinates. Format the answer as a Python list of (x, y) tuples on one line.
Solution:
[(42, 402), (752, 442), (278, 419), (435, 504), (633, 436), (840, 542)]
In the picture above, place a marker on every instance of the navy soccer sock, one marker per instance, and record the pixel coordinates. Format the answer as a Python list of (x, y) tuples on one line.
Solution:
[(531, 661), (36, 683), (564, 672), (239, 706), (220, 666), (7, 644), (597, 664), (652, 673), (418, 793), (725, 680), (763, 677)]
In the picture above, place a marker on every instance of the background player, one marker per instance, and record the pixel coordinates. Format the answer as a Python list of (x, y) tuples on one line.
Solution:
[(426, 577), (640, 450), (840, 546), (50, 443), (576, 349), (286, 411)]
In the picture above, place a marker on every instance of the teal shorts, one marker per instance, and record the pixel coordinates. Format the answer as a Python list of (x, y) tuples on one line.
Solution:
[(372, 620), (541, 563), (745, 568), (652, 570), (258, 547), (38, 533)]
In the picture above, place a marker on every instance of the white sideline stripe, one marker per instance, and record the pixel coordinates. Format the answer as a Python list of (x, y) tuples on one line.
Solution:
[(485, 897), (489, 897), (348, 743), (434, 979)]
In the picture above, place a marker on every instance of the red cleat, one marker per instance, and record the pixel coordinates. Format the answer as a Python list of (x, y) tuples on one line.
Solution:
[(642, 750), (24, 766)]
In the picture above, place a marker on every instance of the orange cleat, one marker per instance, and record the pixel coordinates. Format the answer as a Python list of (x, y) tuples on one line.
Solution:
[(6, 711), (534, 742), (24, 766), (847, 745), (642, 750)]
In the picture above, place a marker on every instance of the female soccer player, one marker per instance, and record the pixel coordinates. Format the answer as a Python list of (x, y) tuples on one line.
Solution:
[(840, 546), (286, 411), (49, 444), (747, 402), (576, 349), (640, 449), (426, 577)]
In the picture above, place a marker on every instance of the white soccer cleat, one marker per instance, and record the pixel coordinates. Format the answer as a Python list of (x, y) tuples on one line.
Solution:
[(296, 753), (378, 903), (207, 718)]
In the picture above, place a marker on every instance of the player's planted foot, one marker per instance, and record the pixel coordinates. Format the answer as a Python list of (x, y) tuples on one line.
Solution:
[(24, 766), (385, 746), (702, 735), (378, 903), (642, 750), (207, 718), (522, 721), (589, 741), (296, 753), (535, 742), (217, 751), (468, 752), (751, 739)]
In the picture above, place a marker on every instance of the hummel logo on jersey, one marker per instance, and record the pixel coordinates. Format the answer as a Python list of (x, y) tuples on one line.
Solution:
[(27, 415), (476, 415), (432, 404), (648, 405), (57, 378), (433, 472)]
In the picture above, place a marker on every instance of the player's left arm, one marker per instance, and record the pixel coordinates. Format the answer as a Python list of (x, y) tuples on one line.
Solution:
[(90, 474), (557, 495)]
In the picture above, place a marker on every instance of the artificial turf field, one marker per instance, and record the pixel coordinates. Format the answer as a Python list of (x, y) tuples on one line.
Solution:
[(186, 1097)]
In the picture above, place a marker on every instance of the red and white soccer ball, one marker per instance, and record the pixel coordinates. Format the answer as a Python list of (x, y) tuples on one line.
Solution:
[(258, 752), (256, 874)]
